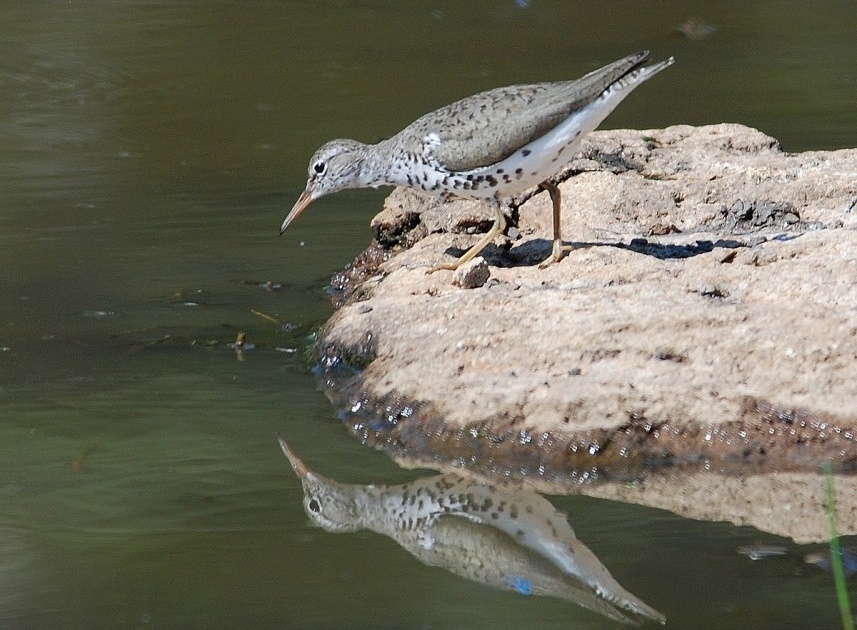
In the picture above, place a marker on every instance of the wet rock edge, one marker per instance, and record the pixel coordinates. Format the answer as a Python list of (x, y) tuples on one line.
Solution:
[(763, 439)]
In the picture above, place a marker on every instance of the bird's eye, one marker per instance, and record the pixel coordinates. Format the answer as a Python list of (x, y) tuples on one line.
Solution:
[(314, 506), (319, 167)]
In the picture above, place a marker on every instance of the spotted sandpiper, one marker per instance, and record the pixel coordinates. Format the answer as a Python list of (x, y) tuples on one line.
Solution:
[(504, 537), (492, 145)]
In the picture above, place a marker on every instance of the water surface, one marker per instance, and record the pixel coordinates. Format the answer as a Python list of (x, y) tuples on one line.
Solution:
[(149, 151)]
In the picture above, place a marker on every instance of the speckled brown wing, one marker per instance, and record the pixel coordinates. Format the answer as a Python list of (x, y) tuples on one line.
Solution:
[(488, 127)]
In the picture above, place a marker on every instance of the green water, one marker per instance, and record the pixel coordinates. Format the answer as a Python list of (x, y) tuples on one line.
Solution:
[(149, 152)]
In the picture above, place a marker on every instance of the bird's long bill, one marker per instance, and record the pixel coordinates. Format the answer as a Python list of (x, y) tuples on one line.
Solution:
[(300, 205), (300, 468)]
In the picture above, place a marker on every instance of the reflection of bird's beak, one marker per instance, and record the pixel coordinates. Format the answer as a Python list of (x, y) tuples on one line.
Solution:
[(300, 468), (300, 205)]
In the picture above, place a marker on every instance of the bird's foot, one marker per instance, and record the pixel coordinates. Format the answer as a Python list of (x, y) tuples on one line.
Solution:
[(557, 253), (465, 258)]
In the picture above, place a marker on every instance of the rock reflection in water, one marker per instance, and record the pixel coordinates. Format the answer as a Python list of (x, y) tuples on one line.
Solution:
[(506, 538)]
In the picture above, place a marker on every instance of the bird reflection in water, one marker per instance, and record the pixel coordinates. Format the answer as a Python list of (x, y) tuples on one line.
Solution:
[(506, 538)]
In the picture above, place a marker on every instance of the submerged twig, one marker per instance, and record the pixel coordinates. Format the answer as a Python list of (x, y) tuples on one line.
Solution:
[(267, 317)]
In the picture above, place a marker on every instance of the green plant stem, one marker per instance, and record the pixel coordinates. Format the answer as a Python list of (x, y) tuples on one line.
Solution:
[(836, 552)]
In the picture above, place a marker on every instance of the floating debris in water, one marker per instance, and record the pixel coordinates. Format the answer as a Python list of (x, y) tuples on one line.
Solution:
[(241, 346), (204, 342), (760, 552), (266, 317), (96, 314)]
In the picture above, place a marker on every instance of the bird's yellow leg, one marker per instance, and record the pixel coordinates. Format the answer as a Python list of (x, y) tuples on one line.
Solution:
[(490, 235), (559, 250)]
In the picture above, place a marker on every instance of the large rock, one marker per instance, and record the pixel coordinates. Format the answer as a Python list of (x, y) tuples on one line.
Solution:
[(704, 325)]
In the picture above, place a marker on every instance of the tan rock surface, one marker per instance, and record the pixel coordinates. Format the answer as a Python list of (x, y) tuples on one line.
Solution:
[(707, 320)]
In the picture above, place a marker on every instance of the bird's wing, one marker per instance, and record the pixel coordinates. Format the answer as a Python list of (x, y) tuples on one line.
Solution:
[(482, 553), (533, 522), (486, 128)]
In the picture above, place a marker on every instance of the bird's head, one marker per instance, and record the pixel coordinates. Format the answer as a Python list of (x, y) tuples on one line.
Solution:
[(336, 166), (329, 504)]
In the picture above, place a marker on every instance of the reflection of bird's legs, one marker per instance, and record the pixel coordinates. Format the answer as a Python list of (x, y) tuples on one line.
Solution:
[(559, 250), (497, 228)]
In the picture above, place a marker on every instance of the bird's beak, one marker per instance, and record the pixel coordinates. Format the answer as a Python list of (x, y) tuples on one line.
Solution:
[(300, 205), (299, 467)]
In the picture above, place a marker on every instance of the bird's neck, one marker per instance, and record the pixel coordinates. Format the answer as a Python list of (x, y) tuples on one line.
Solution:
[(375, 165), (401, 166)]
